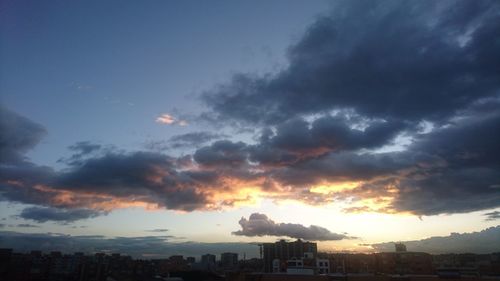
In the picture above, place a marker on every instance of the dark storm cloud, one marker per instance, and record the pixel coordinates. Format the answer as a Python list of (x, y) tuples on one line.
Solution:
[(482, 242), (345, 166), (454, 168), (43, 214), (17, 182), (357, 80), (435, 174), (405, 60), (469, 178), (260, 225), (109, 176), (18, 135), (151, 177), (297, 139), (95, 183), (137, 247), (370, 72), (222, 153)]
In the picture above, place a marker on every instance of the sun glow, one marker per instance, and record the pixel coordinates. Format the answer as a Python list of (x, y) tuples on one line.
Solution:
[(334, 187)]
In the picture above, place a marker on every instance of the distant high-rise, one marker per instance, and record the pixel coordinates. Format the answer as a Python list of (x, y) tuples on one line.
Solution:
[(208, 262), (284, 251), (229, 260), (208, 259), (400, 247)]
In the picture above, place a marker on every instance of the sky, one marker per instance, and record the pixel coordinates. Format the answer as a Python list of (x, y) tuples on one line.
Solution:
[(192, 127)]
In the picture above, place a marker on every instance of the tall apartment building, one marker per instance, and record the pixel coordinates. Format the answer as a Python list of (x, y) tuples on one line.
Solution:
[(208, 259), (229, 260), (284, 251)]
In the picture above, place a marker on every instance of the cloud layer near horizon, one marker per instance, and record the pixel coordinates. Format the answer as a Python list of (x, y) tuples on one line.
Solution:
[(149, 247), (163, 246), (482, 242), (358, 81)]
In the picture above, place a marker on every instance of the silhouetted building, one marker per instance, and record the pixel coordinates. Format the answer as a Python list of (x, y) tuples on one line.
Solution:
[(404, 263), (460, 265), (229, 260), (352, 263), (277, 254), (208, 259), (207, 263), (391, 266), (400, 247)]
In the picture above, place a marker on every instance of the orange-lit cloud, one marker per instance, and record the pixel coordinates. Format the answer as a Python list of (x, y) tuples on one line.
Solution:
[(170, 120)]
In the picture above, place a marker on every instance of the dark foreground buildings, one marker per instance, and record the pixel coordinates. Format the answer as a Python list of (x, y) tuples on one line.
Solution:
[(277, 254), (297, 260)]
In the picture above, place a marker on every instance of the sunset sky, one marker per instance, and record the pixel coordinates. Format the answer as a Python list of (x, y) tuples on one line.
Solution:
[(203, 126)]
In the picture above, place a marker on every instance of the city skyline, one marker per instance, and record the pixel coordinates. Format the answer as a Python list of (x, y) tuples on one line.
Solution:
[(282, 260), (202, 125)]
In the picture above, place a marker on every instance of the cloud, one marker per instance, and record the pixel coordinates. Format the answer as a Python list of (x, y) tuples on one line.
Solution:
[(359, 78), (188, 140), (148, 247), (96, 183), (492, 216), (40, 214), (165, 119), (297, 140), (225, 173), (141, 177), (482, 242), (468, 170), (27, 225), (358, 81), (85, 147), (260, 225), (19, 135), (193, 139), (157, 145), (392, 60), (222, 153), (82, 150), (158, 230), (168, 119)]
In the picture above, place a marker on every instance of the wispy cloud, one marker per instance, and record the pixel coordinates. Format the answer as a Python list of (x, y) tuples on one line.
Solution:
[(495, 215), (157, 230), (27, 225), (21, 225)]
